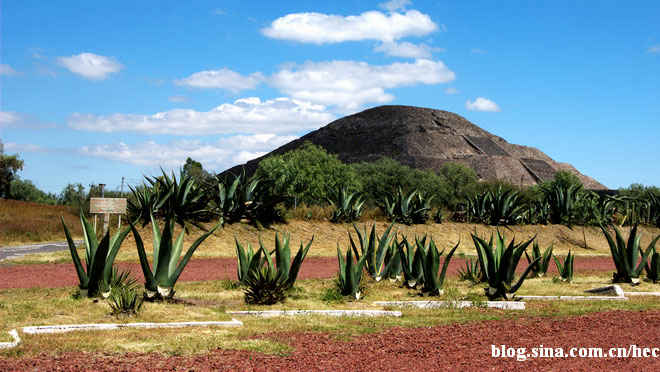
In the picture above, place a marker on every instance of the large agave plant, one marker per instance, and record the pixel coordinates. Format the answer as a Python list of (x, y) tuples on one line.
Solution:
[(99, 257), (393, 259), (627, 255), (264, 286), (411, 261), (350, 274), (498, 265), (433, 277), (346, 206), (505, 207), (540, 268), (247, 260), (374, 249), (167, 251)]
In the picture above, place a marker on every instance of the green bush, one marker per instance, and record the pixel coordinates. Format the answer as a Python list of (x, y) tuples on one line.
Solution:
[(306, 174)]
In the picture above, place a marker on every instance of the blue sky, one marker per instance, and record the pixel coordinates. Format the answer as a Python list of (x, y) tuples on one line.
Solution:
[(95, 91)]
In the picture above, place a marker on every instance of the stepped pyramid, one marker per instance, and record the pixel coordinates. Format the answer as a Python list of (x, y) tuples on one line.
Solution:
[(426, 139)]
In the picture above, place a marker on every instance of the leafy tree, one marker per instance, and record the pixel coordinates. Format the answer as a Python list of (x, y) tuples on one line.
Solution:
[(457, 180), (25, 190), (72, 194), (9, 165), (307, 173), (195, 170), (385, 176)]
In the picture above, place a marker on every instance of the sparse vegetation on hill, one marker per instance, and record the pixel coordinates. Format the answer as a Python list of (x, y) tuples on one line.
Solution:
[(25, 222)]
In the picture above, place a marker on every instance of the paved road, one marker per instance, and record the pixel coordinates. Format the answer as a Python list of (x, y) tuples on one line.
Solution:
[(14, 252)]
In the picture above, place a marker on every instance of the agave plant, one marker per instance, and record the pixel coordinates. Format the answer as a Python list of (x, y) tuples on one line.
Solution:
[(626, 256), (470, 272), (562, 200), (393, 259), (565, 270), (374, 249), (99, 257), (347, 207), (247, 260), (653, 268), (140, 205), (125, 300), (498, 265), (431, 265), (267, 280), (239, 197), (166, 254), (409, 208), (505, 207), (350, 274), (411, 261), (540, 268)]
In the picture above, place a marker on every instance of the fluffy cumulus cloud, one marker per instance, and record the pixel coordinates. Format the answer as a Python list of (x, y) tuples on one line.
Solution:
[(482, 104), (248, 115), (90, 66), (347, 85), (407, 49), (220, 155), (373, 25), (221, 79), (7, 70)]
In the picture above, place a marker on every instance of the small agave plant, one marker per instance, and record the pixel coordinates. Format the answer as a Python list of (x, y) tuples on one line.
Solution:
[(411, 261), (627, 255), (246, 261), (160, 280), (565, 270), (653, 269), (431, 264), (540, 268), (95, 277), (470, 272), (350, 274)]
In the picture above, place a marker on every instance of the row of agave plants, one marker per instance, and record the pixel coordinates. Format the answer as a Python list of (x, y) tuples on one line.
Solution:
[(232, 198)]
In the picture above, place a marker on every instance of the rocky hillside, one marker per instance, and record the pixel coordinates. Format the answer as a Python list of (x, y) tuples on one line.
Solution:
[(426, 139)]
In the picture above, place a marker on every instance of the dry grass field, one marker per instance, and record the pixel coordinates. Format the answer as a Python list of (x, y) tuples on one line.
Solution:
[(24, 223)]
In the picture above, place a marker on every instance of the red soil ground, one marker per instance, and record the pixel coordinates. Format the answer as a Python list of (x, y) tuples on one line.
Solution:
[(62, 275), (452, 347)]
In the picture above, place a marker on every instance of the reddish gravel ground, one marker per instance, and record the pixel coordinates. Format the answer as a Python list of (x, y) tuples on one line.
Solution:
[(453, 347), (62, 275)]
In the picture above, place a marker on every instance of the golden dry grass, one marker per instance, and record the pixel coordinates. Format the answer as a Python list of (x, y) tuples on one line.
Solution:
[(24, 222)]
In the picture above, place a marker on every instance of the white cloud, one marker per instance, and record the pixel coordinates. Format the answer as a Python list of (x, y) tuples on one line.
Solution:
[(19, 120), (90, 66), (247, 115), (219, 155), (178, 99), (482, 104), (653, 49), (218, 12), (451, 90), (407, 50), (347, 85), (221, 79), (7, 70), (478, 51), (373, 25), (394, 5)]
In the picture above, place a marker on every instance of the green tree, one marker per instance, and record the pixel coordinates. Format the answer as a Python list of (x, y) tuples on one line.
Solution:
[(457, 180), (9, 165), (25, 190), (307, 173), (73, 195), (195, 170)]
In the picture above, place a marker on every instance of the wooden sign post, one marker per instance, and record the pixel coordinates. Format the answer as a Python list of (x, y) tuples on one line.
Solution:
[(106, 207)]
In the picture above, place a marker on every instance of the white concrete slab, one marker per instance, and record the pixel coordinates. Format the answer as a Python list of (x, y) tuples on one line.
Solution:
[(115, 326), (642, 293), (505, 305), (273, 313), (13, 344), (612, 290), (573, 298)]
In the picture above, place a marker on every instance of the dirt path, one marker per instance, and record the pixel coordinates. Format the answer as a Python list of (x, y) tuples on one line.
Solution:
[(452, 347), (62, 275)]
